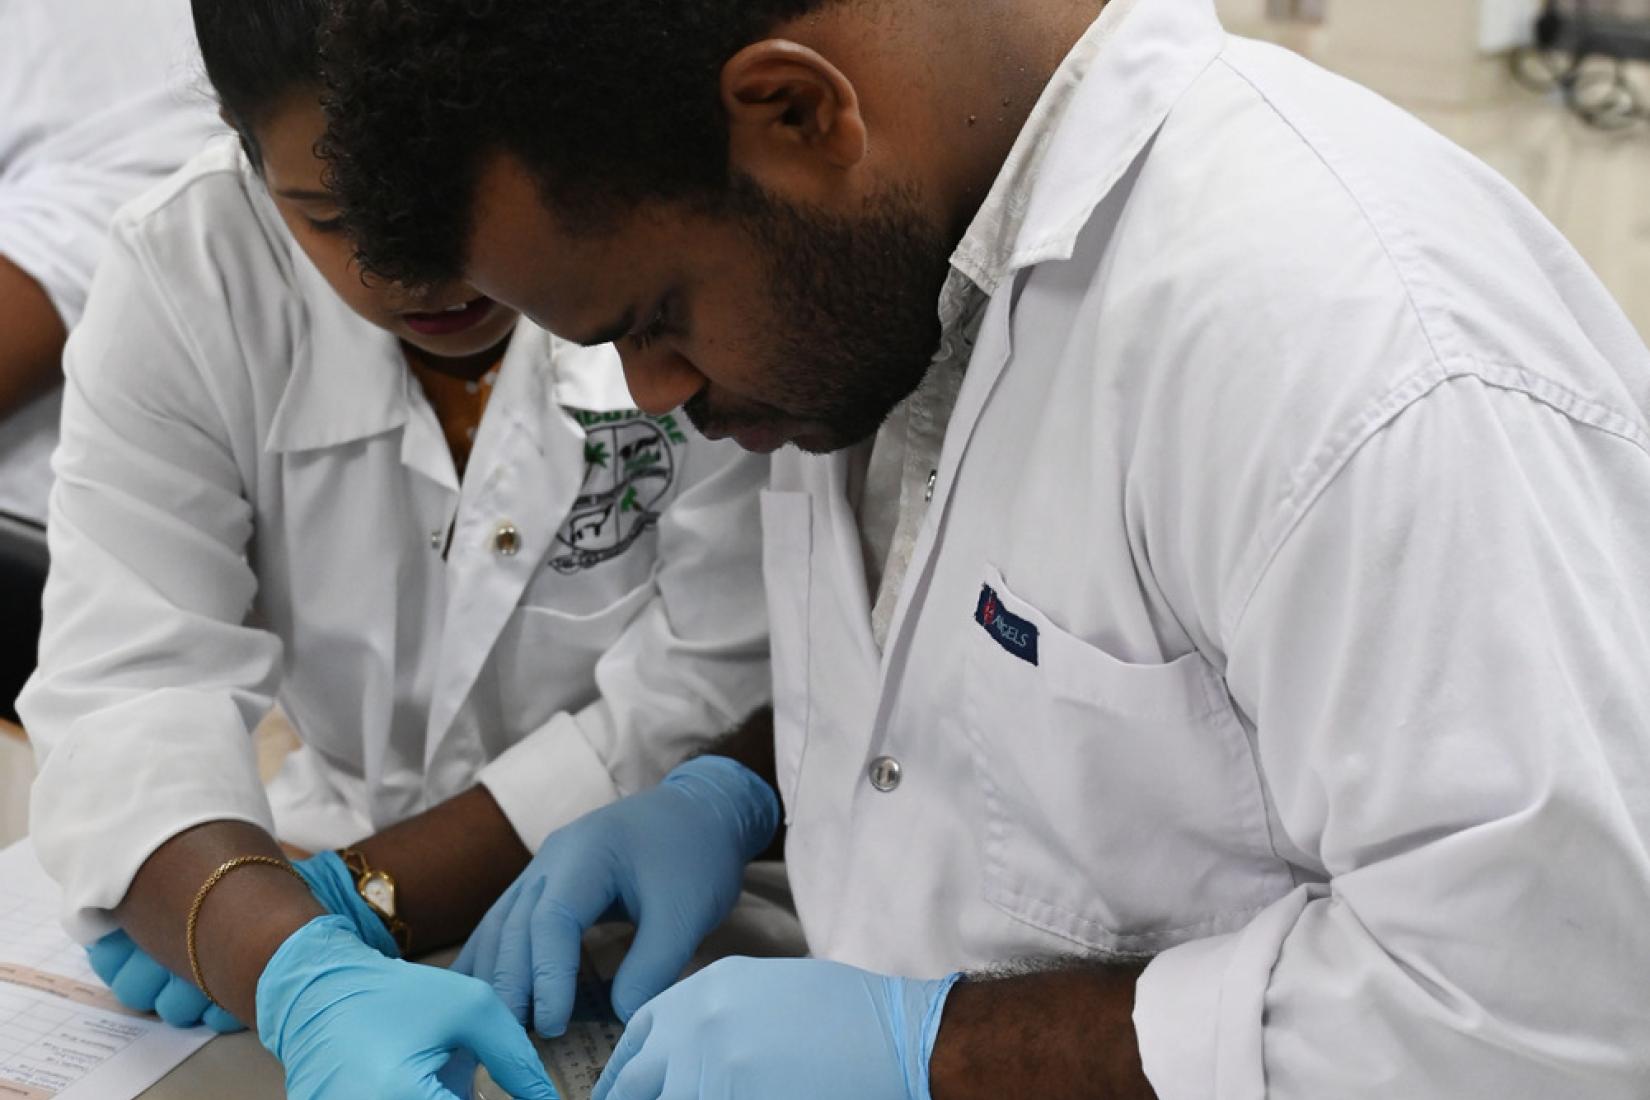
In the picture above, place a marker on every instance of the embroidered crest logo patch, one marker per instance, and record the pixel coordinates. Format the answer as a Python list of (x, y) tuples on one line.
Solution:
[(1015, 634), (630, 464)]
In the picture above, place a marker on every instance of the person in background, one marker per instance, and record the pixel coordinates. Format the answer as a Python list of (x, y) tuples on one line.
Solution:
[(490, 594), (1206, 568), (96, 104)]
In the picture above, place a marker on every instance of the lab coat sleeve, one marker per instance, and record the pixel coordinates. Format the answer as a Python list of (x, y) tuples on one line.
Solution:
[(99, 106), (691, 666), (56, 206), (149, 683), (52, 225), (1444, 663)]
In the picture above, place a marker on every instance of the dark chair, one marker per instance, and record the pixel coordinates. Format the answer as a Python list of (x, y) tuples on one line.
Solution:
[(23, 561)]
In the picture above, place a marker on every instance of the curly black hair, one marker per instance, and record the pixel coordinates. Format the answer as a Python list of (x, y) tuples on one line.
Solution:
[(257, 53), (607, 102)]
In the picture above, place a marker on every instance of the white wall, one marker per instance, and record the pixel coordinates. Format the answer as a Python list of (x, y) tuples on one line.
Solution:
[(1444, 51), (1503, 24), (1242, 15)]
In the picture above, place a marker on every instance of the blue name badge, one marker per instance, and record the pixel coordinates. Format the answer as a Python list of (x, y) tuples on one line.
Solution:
[(1007, 629)]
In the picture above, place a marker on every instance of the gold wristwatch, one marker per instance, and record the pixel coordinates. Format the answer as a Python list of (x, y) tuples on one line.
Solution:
[(377, 889)]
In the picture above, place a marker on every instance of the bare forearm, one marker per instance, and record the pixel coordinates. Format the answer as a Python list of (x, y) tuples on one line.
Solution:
[(243, 921), (1065, 1034), (31, 339), (450, 864), (752, 745)]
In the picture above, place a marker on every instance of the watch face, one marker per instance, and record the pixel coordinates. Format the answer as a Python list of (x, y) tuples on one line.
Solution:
[(380, 893)]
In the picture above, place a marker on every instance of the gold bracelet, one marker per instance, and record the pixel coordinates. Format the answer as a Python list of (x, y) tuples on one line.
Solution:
[(200, 898)]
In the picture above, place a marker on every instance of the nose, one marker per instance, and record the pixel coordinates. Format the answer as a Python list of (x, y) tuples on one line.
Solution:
[(660, 380)]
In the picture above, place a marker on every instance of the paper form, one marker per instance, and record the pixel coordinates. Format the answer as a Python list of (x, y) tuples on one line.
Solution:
[(576, 1059), (763, 925), (63, 1036)]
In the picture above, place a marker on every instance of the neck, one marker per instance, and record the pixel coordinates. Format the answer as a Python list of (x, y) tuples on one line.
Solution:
[(992, 68), (467, 369)]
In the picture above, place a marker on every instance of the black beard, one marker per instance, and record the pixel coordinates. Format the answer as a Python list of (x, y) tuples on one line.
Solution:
[(855, 304)]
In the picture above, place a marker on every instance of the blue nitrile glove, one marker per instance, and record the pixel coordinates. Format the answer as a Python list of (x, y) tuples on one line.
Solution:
[(673, 858), (347, 1022), (143, 985), (334, 887), (803, 1029)]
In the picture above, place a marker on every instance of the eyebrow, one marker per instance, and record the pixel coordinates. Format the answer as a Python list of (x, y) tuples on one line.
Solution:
[(302, 195), (611, 334)]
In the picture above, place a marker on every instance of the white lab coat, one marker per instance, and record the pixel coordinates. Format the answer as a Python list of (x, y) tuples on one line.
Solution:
[(99, 99), (1310, 472), (253, 498)]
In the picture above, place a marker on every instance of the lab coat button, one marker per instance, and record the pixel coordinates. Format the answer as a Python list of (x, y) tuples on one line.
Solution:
[(506, 540), (886, 774)]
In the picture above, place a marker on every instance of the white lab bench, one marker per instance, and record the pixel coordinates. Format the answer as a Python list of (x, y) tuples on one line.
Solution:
[(229, 1066)]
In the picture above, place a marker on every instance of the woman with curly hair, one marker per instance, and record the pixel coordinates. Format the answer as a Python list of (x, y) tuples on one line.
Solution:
[(490, 594)]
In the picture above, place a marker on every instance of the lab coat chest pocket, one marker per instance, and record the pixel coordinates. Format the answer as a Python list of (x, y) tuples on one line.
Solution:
[(1123, 806), (548, 656), (787, 545)]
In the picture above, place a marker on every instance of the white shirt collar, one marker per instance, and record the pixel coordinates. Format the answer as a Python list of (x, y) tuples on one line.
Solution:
[(986, 252)]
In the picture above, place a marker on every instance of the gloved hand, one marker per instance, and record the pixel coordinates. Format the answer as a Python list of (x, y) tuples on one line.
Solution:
[(672, 858), (347, 1022), (334, 887), (143, 985), (750, 1029)]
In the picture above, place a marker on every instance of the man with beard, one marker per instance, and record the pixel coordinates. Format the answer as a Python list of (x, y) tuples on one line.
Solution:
[(1209, 651)]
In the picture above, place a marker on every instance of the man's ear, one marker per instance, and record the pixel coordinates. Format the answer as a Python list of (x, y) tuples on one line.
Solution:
[(791, 115)]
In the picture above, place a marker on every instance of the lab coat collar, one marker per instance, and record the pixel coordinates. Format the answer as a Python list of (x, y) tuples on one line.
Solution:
[(1155, 53), (519, 392), (348, 380), (484, 590), (516, 404), (590, 379), (539, 372), (1148, 61), (986, 251)]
